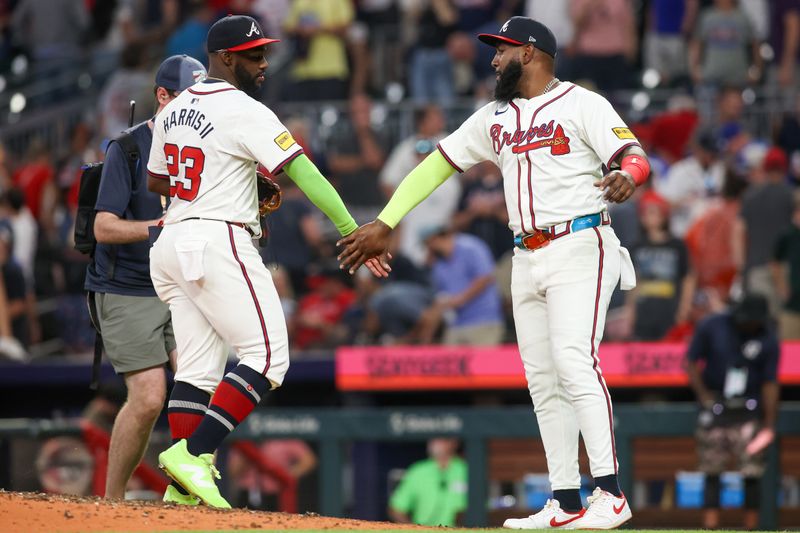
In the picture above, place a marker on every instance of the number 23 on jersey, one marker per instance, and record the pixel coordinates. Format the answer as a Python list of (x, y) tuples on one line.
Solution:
[(191, 160)]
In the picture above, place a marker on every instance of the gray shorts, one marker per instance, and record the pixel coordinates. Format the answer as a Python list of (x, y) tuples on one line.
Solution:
[(137, 331)]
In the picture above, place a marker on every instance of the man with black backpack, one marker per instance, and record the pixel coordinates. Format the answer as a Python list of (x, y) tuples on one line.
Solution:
[(136, 326)]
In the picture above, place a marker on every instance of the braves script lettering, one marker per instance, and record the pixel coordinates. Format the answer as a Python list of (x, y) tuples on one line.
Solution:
[(550, 135)]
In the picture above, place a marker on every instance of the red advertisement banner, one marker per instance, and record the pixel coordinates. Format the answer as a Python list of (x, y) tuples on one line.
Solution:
[(382, 368)]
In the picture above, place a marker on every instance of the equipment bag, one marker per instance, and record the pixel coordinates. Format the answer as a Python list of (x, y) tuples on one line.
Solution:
[(85, 241)]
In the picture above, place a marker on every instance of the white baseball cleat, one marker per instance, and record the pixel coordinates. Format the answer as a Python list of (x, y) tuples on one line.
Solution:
[(605, 511), (550, 517)]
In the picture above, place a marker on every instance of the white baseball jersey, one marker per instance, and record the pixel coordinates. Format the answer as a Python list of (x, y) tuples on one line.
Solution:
[(208, 142), (550, 149)]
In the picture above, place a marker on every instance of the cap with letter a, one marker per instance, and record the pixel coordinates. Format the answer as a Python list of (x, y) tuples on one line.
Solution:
[(235, 33), (518, 31)]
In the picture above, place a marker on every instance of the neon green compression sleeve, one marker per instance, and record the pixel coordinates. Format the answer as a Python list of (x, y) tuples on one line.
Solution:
[(321, 193), (418, 185)]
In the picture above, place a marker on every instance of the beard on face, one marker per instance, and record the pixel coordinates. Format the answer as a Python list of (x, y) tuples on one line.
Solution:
[(247, 82), (507, 87)]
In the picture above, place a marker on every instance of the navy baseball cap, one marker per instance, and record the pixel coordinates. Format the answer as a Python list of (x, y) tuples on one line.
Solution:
[(523, 30), (178, 73), (235, 33)]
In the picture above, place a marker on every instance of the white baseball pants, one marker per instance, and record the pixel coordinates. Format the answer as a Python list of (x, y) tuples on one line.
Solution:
[(560, 295), (220, 294)]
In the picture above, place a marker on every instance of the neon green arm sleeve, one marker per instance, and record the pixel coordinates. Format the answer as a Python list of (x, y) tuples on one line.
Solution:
[(418, 185), (321, 193)]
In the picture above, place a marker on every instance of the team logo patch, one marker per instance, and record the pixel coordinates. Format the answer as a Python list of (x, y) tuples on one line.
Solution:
[(285, 140), (623, 133)]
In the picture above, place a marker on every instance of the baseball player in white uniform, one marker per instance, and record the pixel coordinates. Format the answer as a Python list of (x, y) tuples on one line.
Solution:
[(206, 146), (551, 139)]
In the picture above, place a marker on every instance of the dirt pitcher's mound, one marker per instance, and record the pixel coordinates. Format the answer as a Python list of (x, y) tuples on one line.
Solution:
[(43, 513)]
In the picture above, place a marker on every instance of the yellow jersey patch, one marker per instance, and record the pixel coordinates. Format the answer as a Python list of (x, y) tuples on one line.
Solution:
[(285, 140), (621, 133)]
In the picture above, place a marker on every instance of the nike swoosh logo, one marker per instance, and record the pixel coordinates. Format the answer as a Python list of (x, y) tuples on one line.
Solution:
[(556, 523), (621, 507), (501, 112)]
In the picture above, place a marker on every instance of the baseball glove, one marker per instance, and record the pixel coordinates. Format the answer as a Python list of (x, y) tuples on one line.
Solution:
[(269, 195)]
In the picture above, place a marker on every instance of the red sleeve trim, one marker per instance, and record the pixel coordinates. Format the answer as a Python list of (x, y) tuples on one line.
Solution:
[(439, 147), (622, 149), (286, 162), (158, 176)]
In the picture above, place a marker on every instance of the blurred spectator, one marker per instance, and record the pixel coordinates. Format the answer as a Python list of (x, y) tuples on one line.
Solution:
[(724, 50), (283, 287), (5, 174), (605, 43), (666, 282), (766, 214), (463, 279), (786, 275), (470, 65), (788, 138), (730, 128), (319, 27), (190, 37), (475, 16), (555, 15), (398, 309), (271, 14), (293, 236), (10, 347), (82, 150), (785, 41), (317, 322), (433, 492), (430, 73), (473, 60), (379, 33), (15, 287), (673, 130), (133, 20), (733, 367), (257, 490), (757, 12), (482, 209), (356, 156), (710, 243), (131, 81), (35, 179), (23, 227), (669, 22), (440, 206), (691, 182), (53, 31)]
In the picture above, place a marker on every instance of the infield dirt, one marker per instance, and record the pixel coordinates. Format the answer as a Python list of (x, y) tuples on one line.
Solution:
[(22, 512)]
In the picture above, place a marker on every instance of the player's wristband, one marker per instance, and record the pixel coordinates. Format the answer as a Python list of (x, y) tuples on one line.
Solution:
[(637, 166)]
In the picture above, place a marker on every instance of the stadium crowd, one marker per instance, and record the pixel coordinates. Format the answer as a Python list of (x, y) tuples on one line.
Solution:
[(383, 80)]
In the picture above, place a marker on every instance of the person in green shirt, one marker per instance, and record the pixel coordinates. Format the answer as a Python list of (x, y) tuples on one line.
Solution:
[(433, 492)]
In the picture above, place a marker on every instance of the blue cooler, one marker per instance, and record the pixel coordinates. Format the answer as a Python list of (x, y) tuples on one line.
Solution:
[(731, 485), (689, 489), (537, 490)]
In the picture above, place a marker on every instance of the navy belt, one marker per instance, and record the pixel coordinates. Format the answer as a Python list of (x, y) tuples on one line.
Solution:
[(541, 238)]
